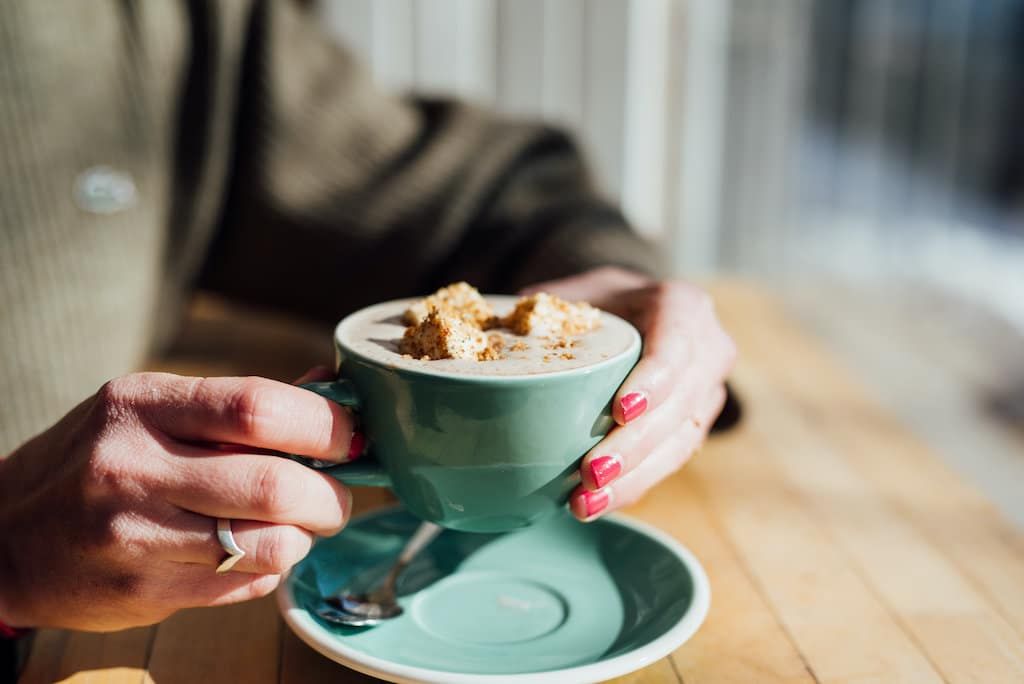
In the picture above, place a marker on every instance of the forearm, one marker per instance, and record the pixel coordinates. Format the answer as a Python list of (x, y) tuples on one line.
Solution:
[(349, 195)]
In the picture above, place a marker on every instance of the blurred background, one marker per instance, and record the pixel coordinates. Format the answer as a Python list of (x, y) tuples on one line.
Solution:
[(862, 158)]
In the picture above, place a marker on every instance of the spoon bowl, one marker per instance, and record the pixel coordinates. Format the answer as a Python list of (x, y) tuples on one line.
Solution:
[(339, 617), (380, 604)]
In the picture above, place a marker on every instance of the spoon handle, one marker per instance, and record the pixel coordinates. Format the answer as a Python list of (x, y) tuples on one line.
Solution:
[(423, 535)]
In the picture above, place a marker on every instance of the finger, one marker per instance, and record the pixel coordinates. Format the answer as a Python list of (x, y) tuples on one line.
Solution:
[(269, 549), (245, 590), (669, 348), (199, 586), (252, 411), (588, 505), (681, 334), (624, 448), (665, 459), (254, 487), (172, 586), (315, 374)]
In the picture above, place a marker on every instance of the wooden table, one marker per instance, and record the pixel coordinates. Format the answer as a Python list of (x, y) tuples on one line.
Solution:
[(839, 549)]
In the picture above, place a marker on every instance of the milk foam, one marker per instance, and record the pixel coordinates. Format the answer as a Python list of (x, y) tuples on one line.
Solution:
[(374, 333)]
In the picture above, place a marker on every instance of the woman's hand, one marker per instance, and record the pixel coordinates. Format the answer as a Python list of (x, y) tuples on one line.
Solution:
[(668, 403), (108, 518)]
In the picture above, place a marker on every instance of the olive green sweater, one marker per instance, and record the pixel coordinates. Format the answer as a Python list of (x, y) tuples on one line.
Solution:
[(150, 148)]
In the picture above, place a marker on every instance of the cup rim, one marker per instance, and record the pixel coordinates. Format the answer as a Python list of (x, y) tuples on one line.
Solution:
[(634, 347)]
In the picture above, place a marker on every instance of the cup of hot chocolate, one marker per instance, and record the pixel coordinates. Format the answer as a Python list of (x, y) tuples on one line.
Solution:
[(477, 410)]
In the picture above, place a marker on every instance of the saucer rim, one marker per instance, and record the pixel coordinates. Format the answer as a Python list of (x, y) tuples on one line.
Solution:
[(316, 637)]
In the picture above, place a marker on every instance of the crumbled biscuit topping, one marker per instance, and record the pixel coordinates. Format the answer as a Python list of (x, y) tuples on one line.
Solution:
[(493, 351), (443, 336), (544, 314), (460, 300), (450, 324)]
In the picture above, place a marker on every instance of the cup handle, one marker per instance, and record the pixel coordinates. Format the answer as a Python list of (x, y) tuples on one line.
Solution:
[(366, 472)]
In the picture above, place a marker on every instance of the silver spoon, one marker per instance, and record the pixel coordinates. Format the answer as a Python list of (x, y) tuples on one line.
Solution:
[(379, 604)]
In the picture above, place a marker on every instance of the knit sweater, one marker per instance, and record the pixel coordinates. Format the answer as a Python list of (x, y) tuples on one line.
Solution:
[(151, 148)]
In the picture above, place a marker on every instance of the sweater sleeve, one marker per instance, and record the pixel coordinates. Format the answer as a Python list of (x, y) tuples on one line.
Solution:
[(341, 195)]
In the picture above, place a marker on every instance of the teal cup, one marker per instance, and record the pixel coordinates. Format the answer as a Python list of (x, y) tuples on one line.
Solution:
[(474, 452)]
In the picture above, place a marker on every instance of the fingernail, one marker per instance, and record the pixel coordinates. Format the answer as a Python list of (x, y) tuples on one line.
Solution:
[(604, 469), (633, 405), (594, 502), (356, 446)]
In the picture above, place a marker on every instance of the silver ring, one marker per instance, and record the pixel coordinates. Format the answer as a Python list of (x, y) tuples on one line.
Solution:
[(227, 540)]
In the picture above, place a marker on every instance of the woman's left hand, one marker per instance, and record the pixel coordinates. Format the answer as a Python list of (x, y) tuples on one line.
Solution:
[(669, 401)]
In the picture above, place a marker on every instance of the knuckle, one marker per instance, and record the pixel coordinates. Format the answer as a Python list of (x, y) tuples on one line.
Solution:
[(118, 389), (106, 471), (115, 397), (99, 530), (110, 533), (121, 530), (328, 430), (126, 388), (277, 497), (280, 549), (253, 408), (119, 398)]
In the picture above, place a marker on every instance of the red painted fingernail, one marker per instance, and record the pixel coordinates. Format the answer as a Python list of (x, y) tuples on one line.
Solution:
[(604, 469), (633, 405), (595, 502), (356, 446)]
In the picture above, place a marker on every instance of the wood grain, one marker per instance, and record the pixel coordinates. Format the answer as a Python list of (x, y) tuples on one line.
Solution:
[(239, 643), (659, 672), (838, 548), (911, 578), (956, 518), (115, 658), (742, 640), (302, 665), (47, 648), (936, 552), (833, 615)]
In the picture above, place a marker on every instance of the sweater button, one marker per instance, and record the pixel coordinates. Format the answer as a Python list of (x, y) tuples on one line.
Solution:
[(104, 190)]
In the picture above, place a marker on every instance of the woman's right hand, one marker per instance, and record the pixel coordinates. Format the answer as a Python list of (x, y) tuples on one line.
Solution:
[(109, 517)]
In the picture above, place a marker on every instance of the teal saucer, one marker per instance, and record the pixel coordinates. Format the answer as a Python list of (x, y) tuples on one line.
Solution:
[(556, 602)]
